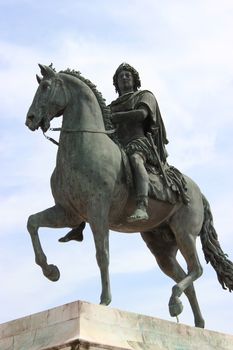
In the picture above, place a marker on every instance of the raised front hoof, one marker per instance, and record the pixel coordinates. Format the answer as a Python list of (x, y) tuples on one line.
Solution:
[(138, 215), (52, 273), (175, 307)]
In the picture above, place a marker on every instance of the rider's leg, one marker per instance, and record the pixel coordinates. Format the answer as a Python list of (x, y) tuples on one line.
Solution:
[(142, 184)]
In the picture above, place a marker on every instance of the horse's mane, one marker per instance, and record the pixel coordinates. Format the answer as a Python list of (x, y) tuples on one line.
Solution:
[(104, 108)]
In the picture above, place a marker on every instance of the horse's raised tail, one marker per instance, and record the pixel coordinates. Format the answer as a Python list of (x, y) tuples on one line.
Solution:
[(212, 250)]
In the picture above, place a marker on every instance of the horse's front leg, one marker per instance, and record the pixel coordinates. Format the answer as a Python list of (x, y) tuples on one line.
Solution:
[(100, 230), (53, 217)]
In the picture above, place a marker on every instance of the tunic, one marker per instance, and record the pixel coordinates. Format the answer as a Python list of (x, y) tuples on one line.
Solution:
[(153, 124)]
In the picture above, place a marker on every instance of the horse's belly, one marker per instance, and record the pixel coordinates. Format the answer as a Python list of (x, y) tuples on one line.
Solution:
[(158, 212)]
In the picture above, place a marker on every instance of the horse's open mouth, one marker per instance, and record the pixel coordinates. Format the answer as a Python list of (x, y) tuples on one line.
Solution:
[(44, 124)]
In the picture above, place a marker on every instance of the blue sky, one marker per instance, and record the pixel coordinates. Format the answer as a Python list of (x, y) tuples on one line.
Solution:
[(184, 54)]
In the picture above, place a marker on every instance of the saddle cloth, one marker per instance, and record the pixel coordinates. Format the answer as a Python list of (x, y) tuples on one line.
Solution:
[(158, 189)]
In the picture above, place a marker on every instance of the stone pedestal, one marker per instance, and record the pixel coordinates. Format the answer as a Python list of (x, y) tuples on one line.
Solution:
[(80, 325)]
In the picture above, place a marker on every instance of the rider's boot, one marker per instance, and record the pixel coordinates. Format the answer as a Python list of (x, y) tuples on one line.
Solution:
[(142, 186), (140, 213)]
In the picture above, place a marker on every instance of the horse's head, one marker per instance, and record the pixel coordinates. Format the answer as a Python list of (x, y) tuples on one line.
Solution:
[(49, 101)]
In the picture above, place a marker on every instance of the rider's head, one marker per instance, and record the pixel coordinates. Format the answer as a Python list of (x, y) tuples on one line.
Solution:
[(127, 68)]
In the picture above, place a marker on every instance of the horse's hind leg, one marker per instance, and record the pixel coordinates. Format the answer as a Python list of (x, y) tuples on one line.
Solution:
[(53, 217), (172, 268), (187, 245), (165, 254)]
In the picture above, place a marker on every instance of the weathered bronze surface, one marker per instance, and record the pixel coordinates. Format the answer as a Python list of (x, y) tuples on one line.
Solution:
[(92, 181)]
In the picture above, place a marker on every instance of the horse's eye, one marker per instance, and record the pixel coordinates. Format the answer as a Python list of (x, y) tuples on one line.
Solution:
[(45, 86)]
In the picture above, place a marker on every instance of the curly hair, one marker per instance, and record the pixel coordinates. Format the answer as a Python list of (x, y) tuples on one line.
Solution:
[(127, 67)]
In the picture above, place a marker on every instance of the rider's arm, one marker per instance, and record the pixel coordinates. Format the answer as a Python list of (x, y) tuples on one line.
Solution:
[(133, 115)]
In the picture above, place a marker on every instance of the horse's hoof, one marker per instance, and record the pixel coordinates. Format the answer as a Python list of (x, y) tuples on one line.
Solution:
[(200, 323), (105, 301), (52, 273), (175, 307)]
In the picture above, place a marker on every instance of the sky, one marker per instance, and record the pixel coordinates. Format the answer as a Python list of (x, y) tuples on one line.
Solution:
[(184, 54)]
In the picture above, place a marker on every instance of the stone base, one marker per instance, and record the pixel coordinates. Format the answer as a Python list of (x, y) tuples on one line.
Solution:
[(81, 325)]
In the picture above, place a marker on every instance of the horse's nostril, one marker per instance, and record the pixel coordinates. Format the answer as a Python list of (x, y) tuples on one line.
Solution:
[(29, 120), (30, 117)]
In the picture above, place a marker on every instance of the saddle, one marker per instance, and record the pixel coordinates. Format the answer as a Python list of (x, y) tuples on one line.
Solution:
[(173, 192)]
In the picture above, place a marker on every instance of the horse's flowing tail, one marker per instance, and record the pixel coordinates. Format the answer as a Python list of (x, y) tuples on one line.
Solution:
[(212, 250)]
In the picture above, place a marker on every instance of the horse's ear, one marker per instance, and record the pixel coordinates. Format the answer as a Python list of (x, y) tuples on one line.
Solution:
[(38, 79), (46, 71)]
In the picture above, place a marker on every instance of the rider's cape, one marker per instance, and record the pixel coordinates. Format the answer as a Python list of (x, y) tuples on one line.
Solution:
[(153, 124)]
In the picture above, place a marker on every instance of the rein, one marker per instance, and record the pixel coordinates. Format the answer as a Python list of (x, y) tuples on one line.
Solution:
[(107, 132)]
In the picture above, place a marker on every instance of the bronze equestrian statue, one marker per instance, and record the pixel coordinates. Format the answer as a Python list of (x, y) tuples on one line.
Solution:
[(120, 180)]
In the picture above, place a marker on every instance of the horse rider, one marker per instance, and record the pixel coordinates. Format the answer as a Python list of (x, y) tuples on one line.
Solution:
[(136, 114)]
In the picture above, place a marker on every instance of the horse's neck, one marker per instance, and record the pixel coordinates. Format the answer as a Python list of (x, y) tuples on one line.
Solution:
[(83, 110)]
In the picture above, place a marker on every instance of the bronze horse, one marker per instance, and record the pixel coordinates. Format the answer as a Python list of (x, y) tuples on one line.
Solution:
[(88, 184)]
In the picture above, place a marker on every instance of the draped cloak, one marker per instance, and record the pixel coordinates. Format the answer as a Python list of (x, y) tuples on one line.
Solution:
[(152, 124)]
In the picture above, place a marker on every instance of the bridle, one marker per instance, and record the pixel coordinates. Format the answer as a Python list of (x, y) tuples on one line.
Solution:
[(100, 131)]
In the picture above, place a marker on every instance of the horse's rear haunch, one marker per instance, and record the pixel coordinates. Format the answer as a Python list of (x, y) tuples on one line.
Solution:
[(163, 245), (211, 247), (82, 138)]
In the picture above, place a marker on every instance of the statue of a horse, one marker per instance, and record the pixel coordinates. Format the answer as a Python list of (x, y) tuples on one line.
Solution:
[(88, 184)]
